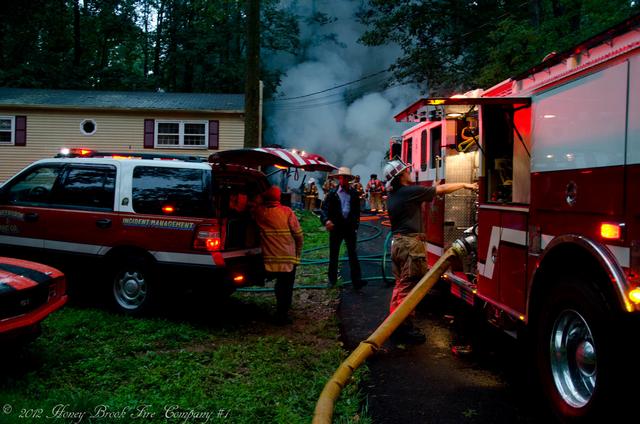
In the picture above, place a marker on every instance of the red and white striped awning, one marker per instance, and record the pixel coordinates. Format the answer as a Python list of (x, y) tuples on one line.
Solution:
[(264, 156)]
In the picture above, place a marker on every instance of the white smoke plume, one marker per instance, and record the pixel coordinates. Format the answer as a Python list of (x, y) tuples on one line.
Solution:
[(350, 126)]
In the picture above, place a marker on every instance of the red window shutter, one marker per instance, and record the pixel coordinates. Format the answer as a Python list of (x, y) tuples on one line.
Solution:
[(214, 136), (149, 132), (21, 131)]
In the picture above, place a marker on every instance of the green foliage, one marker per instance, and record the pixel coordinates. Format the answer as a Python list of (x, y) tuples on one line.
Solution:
[(459, 44), (174, 45), (314, 233), (316, 246)]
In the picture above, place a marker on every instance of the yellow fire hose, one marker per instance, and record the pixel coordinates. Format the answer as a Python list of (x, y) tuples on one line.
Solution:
[(331, 391)]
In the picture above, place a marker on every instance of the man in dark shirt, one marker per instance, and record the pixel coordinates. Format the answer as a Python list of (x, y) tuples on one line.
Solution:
[(340, 215), (408, 255)]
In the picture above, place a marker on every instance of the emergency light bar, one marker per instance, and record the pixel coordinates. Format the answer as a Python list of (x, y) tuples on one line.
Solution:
[(89, 153)]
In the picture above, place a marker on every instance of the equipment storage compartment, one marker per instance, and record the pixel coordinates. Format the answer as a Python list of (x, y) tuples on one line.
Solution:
[(235, 196)]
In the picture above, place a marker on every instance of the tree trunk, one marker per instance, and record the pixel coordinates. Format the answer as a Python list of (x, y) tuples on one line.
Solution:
[(172, 48), (237, 37), (77, 53), (158, 46), (557, 8), (536, 13), (252, 84), (575, 16), (187, 79), (145, 40)]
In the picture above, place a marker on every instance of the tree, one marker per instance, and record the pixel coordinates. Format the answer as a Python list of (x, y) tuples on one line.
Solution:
[(456, 45), (174, 45)]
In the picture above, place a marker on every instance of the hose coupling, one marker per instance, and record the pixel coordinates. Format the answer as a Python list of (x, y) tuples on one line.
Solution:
[(467, 244)]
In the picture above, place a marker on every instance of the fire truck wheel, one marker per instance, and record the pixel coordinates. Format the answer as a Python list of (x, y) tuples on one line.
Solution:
[(133, 287), (575, 351)]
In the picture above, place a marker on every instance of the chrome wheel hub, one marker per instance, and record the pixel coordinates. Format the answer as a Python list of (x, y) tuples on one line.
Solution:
[(130, 289), (573, 358)]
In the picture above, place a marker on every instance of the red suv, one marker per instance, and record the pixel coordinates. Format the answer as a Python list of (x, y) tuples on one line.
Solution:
[(28, 293), (140, 220)]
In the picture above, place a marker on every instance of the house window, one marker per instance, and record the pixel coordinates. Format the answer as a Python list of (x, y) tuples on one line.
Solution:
[(88, 127), (7, 129), (181, 134)]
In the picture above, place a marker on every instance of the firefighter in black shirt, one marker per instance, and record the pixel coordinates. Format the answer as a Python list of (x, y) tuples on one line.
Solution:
[(408, 255)]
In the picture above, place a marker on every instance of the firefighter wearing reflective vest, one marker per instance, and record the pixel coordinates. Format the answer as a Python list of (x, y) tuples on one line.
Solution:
[(310, 195), (281, 241), (375, 189), (408, 254)]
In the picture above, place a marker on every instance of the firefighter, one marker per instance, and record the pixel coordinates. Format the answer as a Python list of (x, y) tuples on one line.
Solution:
[(327, 186), (310, 195), (357, 186), (281, 241), (408, 255), (375, 189), (340, 215)]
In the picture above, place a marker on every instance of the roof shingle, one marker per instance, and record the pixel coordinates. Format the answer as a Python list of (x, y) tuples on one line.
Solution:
[(121, 100)]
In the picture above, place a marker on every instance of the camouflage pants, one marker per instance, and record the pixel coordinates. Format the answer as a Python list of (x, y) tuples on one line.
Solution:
[(409, 264)]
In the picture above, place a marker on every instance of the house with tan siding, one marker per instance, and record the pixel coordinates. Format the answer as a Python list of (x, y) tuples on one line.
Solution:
[(36, 124)]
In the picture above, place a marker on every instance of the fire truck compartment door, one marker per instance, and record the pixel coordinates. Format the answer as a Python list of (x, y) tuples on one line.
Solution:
[(268, 156), (502, 255), (579, 147)]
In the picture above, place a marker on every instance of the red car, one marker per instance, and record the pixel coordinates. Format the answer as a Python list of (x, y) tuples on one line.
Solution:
[(29, 292)]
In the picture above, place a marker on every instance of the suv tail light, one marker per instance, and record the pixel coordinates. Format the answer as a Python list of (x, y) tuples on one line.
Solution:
[(207, 238)]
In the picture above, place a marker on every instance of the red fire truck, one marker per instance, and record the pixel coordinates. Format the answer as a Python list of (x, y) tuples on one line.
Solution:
[(556, 152)]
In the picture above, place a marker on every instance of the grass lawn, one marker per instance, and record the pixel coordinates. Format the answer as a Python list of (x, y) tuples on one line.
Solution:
[(199, 362)]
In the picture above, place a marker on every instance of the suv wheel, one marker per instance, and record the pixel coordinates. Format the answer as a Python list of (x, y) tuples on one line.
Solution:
[(132, 287)]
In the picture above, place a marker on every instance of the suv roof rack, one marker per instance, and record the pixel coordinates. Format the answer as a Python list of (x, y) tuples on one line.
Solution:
[(88, 153)]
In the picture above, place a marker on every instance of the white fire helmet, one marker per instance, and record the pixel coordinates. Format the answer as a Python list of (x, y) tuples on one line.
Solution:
[(312, 181), (394, 168)]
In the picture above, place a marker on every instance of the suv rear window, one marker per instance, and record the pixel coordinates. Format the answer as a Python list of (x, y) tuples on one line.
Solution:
[(187, 191)]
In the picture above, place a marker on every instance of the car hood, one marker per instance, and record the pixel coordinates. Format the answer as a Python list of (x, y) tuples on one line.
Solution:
[(16, 274)]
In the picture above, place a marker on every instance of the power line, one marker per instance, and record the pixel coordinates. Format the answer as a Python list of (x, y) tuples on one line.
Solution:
[(341, 93), (317, 105), (332, 88), (321, 102), (363, 87)]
